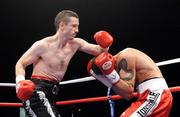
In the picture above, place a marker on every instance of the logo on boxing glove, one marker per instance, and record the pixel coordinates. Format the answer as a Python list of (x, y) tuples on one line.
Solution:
[(107, 65)]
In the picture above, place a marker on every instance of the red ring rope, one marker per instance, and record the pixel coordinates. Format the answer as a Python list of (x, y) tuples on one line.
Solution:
[(86, 100)]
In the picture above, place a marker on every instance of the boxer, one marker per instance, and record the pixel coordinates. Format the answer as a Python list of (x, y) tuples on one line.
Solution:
[(132, 70), (50, 57)]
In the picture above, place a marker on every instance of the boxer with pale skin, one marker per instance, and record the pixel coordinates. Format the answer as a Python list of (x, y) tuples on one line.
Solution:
[(131, 71), (50, 58)]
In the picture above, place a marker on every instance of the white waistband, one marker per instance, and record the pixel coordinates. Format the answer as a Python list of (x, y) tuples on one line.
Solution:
[(152, 84)]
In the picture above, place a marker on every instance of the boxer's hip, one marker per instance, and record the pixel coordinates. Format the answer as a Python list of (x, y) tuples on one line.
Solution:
[(49, 87), (152, 84), (44, 78)]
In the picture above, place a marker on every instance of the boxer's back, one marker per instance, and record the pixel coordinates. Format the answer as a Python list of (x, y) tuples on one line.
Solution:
[(144, 66)]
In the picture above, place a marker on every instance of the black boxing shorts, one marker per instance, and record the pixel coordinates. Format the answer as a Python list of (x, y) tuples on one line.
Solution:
[(43, 101)]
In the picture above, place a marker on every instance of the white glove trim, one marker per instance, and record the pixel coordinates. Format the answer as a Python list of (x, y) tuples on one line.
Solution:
[(113, 77), (101, 78), (19, 78)]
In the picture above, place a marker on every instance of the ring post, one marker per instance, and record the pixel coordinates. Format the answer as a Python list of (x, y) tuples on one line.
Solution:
[(22, 112)]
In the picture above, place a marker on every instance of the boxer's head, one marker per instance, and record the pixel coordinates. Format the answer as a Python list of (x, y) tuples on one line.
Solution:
[(65, 17)]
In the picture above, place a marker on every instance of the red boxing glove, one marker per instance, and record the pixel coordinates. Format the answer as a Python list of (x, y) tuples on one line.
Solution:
[(106, 63), (102, 68), (103, 38), (89, 66), (25, 89), (92, 66), (100, 77)]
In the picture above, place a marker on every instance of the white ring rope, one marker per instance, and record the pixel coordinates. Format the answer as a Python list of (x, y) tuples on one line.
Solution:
[(167, 62), (90, 78)]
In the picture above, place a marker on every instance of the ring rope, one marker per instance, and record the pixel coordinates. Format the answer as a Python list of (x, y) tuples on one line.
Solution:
[(90, 78), (86, 100)]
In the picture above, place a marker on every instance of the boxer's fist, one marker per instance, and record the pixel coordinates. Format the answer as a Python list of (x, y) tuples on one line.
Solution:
[(25, 89), (89, 66), (92, 66), (103, 38), (96, 73), (102, 68), (105, 62)]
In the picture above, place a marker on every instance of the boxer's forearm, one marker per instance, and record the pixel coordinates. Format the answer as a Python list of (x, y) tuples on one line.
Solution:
[(19, 69), (124, 89), (95, 50)]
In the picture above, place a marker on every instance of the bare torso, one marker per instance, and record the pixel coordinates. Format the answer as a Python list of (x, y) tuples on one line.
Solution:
[(54, 60), (144, 66)]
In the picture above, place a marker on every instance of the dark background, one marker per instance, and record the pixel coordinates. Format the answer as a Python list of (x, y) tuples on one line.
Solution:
[(151, 26)]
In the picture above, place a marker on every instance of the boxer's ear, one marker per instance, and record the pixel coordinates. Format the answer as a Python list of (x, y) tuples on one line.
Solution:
[(61, 25)]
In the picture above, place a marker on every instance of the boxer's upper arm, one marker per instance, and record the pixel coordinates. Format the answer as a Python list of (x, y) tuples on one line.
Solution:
[(32, 54), (128, 67)]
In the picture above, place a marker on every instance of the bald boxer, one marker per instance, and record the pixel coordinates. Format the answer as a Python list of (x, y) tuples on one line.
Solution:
[(132, 70), (50, 58)]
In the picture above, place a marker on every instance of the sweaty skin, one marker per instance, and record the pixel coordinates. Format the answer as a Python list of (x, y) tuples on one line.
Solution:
[(50, 56), (133, 67)]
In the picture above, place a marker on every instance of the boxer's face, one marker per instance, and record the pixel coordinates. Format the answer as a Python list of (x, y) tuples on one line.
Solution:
[(71, 28)]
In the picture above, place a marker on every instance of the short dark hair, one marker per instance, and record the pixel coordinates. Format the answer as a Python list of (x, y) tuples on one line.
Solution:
[(64, 16)]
